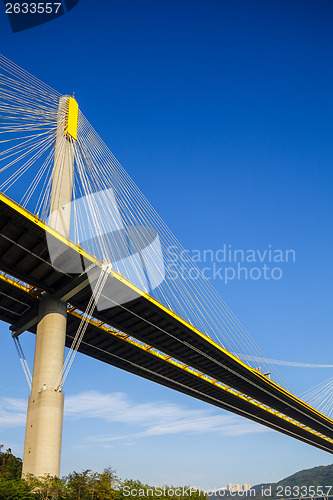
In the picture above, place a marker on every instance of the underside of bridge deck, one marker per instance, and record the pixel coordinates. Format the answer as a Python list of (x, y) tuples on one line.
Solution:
[(135, 332)]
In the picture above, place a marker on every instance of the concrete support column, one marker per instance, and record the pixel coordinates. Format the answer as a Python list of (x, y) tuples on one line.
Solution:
[(42, 445), (42, 448)]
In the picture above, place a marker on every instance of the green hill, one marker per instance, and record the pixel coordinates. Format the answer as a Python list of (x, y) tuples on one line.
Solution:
[(318, 476), (317, 481)]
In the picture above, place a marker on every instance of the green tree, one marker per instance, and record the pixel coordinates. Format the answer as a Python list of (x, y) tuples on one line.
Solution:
[(88, 485), (13, 489), (105, 485), (80, 485), (10, 466), (46, 488)]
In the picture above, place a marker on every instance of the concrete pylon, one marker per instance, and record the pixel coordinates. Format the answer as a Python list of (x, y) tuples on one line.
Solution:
[(62, 174), (42, 447), (43, 433)]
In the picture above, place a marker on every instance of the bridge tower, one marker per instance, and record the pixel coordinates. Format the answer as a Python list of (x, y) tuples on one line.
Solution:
[(42, 447)]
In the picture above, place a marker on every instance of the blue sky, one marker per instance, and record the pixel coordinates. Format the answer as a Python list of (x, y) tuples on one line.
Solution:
[(221, 111)]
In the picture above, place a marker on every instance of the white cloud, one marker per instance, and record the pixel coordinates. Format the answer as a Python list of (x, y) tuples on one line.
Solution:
[(12, 413), (154, 418), (144, 419)]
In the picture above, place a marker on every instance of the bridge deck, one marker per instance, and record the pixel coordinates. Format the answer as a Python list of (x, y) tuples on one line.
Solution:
[(174, 353)]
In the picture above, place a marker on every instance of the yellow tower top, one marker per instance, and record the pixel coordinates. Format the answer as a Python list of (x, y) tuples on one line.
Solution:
[(73, 114)]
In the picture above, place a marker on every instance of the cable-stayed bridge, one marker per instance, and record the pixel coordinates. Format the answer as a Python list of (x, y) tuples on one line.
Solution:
[(85, 262)]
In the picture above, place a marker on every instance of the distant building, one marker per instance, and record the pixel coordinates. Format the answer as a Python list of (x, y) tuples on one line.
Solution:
[(233, 488)]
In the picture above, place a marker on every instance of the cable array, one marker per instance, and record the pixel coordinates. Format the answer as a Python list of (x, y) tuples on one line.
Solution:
[(118, 209), (28, 116), (83, 325), (23, 361), (110, 216), (321, 397)]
